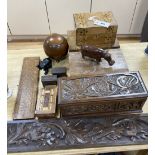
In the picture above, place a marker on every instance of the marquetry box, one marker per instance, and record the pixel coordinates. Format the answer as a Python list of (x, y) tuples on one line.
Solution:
[(89, 33), (99, 95)]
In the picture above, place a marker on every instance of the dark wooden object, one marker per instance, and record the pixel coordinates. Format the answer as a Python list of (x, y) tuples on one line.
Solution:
[(96, 53), (71, 38), (79, 66), (100, 95), (49, 80), (59, 71), (88, 33), (56, 46), (27, 90), (51, 134), (45, 65), (46, 105)]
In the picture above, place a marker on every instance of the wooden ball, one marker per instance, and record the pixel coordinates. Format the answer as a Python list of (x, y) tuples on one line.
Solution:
[(56, 46)]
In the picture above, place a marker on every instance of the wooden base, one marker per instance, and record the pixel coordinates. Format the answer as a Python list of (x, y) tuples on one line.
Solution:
[(71, 38), (26, 136), (80, 66)]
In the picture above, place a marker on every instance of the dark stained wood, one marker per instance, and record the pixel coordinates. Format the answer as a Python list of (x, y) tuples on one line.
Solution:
[(79, 66), (96, 54), (27, 90), (49, 80), (71, 38), (52, 134), (100, 95), (46, 105), (88, 33), (59, 71)]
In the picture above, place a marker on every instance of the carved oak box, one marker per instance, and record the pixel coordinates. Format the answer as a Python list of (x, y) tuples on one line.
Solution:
[(99, 95), (87, 32)]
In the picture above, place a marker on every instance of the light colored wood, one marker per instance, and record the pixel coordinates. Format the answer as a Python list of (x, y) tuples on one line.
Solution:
[(27, 17), (46, 104), (27, 91), (136, 60), (61, 13), (89, 33), (71, 38), (123, 11), (139, 16)]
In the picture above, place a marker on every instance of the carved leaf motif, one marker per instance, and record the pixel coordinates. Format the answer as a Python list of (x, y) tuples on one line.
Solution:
[(43, 134), (71, 133)]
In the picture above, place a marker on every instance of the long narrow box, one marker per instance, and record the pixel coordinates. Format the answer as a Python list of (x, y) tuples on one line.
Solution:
[(89, 33), (99, 95)]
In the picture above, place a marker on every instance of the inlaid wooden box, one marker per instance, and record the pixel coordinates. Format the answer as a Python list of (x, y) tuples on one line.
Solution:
[(99, 95), (89, 33)]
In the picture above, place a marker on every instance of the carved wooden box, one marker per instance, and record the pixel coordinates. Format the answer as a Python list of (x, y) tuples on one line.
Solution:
[(89, 33), (99, 95)]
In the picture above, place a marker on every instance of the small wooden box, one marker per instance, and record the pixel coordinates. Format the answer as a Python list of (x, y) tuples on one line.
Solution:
[(89, 33), (99, 95)]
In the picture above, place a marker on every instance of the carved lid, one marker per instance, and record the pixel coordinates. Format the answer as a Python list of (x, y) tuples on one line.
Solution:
[(100, 88)]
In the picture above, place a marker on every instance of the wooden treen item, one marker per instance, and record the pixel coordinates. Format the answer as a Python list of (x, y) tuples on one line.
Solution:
[(71, 38), (83, 132), (96, 53), (46, 105), (27, 90), (100, 95), (88, 33), (79, 66), (49, 80)]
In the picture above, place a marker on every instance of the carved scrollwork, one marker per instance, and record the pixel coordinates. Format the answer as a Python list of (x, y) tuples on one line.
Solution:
[(71, 133), (101, 86)]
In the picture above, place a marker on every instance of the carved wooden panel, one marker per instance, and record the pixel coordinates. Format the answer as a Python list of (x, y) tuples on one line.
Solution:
[(88, 33), (118, 92), (46, 105), (25, 136), (27, 90)]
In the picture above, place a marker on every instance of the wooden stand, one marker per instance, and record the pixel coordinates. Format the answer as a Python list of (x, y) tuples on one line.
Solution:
[(80, 66)]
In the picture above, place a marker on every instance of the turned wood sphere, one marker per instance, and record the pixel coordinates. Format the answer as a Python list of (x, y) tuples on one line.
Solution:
[(56, 46)]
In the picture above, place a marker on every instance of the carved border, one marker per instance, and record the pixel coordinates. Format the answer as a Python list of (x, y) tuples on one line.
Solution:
[(25, 136)]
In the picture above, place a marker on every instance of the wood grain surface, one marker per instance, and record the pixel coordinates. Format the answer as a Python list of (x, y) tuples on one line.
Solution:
[(71, 38), (52, 134), (46, 104), (27, 90), (89, 33), (80, 66), (134, 56), (101, 95)]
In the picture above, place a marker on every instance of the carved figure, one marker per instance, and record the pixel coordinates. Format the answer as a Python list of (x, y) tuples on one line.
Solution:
[(45, 65), (96, 53)]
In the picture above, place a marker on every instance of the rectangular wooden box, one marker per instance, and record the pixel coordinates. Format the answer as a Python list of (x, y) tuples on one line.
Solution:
[(99, 95), (89, 33)]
